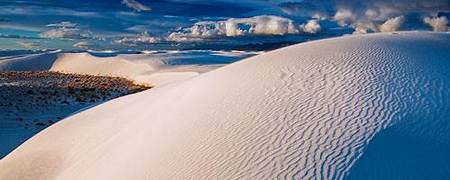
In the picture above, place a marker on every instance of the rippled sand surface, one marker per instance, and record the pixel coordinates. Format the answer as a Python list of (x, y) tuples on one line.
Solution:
[(373, 106)]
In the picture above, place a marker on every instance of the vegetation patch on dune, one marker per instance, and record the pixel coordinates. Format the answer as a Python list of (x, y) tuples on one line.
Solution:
[(31, 101)]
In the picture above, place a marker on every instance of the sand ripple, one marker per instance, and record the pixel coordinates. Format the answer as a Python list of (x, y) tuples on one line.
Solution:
[(308, 111)]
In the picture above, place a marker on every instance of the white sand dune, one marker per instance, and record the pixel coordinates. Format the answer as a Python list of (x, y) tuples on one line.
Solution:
[(308, 111), (33, 62), (156, 69), (143, 69)]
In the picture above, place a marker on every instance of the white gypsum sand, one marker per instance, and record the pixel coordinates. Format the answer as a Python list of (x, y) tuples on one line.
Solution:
[(32, 101), (151, 68), (148, 69), (306, 111), (28, 62)]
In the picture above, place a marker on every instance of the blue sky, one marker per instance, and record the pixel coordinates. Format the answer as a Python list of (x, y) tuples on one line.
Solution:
[(172, 24)]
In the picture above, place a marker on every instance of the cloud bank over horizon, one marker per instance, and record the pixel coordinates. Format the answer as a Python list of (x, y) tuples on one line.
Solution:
[(252, 26)]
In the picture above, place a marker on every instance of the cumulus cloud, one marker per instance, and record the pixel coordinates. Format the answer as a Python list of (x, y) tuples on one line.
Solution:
[(198, 31), (27, 44), (233, 27), (64, 24), (259, 25), (66, 30), (82, 44), (312, 26), (59, 33), (371, 20), (137, 28), (438, 24), (143, 38), (351, 12), (361, 30), (392, 24), (319, 16), (133, 4), (344, 17), (384, 15)]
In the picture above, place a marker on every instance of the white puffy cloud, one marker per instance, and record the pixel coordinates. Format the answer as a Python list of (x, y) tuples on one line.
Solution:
[(319, 16), (143, 38), (372, 20), (312, 26), (27, 44), (361, 29), (364, 27), (198, 31), (137, 28), (392, 24), (371, 14), (60, 33), (387, 15), (82, 44), (257, 25), (439, 24), (344, 17), (66, 30), (260, 25), (133, 4), (64, 24)]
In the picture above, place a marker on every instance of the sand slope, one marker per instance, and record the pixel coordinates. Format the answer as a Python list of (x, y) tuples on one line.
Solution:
[(306, 111), (152, 68), (33, 62), (155, 69), (84, 63)]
